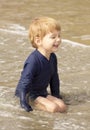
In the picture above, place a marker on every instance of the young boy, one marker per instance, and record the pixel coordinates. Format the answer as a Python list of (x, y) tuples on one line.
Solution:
[(40, 68)]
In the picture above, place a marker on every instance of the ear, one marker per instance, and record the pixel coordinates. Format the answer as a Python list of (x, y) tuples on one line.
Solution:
[(37, 40)]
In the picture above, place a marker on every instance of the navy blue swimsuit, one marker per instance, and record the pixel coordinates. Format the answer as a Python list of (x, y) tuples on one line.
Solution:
[(37, 74)]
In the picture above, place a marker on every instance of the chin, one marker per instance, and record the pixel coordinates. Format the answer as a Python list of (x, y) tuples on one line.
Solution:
[(55, 49)]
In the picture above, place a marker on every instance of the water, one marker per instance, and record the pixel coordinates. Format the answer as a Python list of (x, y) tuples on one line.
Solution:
[(73, 63)]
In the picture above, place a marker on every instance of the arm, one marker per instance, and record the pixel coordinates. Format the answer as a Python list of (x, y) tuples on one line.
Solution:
[(24, 98), (54, 82), (25, 83), (54, 86)]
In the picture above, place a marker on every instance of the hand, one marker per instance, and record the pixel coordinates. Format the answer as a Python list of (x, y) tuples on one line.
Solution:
[(26, 106), (24, 101)]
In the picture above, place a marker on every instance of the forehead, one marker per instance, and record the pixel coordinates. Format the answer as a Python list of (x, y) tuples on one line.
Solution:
[(55, 32)]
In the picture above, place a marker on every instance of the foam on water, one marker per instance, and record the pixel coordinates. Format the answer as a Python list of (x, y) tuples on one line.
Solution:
[(15, 29), (73, 43), (83, 37), (21, 30), (69, 124)]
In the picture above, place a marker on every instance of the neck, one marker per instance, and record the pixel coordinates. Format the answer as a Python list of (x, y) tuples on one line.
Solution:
[(44, 53)]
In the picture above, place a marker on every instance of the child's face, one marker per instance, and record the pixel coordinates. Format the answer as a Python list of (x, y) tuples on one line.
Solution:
[(51, 41)]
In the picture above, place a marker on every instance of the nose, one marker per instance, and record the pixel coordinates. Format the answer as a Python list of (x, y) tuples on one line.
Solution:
[(58, 39)]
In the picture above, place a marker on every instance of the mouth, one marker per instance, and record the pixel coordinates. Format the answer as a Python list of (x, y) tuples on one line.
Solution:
[(56, 46)]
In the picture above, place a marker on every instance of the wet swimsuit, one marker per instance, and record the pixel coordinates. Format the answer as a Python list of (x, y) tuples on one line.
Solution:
[(37, 74)]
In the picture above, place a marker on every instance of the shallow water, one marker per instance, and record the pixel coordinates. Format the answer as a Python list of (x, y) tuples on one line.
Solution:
[(73, 63)]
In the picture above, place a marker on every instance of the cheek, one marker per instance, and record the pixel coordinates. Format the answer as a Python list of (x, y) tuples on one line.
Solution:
[(49, 43), (46, 42)]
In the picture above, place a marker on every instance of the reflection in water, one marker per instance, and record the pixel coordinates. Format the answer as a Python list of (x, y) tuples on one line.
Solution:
[(73, 64)]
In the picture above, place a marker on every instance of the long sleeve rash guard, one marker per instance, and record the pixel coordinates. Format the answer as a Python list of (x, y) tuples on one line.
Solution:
[(39, 72)]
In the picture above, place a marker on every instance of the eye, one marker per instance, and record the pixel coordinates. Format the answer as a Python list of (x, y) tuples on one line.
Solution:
[(53, 37)]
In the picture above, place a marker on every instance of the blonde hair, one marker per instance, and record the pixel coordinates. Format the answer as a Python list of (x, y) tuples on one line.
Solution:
[(40, 26)]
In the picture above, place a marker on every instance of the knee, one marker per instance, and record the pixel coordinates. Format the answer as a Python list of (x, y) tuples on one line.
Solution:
[(63, 108), (53, 108)]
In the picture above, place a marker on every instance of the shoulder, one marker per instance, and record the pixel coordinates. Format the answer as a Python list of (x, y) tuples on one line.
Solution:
[(32, 58), (31, 64), (53, 57)]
